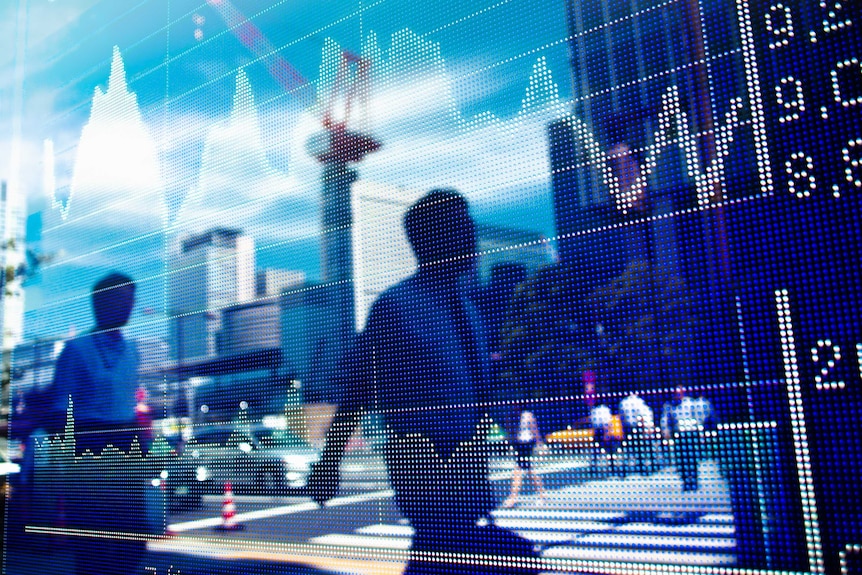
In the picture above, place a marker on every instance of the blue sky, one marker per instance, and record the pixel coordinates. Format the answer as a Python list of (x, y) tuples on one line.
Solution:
[(447, 103)]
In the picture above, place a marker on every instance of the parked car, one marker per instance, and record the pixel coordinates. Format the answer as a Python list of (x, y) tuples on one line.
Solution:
[(224, 455)]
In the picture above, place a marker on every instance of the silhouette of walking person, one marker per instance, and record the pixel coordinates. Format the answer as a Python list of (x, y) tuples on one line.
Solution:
[(422, 362), (99, 372)]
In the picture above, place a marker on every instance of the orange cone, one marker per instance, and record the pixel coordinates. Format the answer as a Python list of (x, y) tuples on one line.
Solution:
[(228, 512)]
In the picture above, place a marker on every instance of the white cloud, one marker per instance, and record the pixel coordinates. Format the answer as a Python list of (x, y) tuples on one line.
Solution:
[(230, 181), (237, 184), (44, 19), (427, 142), (486, 157)]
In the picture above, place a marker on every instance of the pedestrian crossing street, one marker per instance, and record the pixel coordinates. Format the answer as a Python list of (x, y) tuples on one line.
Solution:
[(708, 540), (585, 520), (642, 519)]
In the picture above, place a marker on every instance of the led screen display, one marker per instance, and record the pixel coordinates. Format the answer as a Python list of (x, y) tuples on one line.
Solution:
[(396, 286)]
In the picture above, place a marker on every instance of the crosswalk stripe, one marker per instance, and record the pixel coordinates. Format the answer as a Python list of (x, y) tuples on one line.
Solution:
[(716, 518), (547, 537), (552, 525), (382, 529), (652, 542), (544, 469), (399, 537), (580, 553), (693, 529), (684, 540), (363, 541), (557, 514), (382, 537)]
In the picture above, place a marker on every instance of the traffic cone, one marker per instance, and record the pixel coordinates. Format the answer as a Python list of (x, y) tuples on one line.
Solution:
[(228, 512)]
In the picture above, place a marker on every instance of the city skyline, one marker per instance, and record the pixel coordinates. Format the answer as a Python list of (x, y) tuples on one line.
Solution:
[(237, 144), (238, 137)]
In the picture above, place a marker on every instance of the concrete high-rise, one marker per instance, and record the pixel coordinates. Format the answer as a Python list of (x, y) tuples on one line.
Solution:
[(381, 253), (339, 148), (271, 282), (210, 271)]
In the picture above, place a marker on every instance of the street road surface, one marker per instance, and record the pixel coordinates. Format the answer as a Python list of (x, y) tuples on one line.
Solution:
[(583, 524)]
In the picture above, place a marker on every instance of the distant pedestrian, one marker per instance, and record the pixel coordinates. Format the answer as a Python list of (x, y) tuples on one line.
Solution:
[(526, 443), (638, 431), (705, 413), (602, 422), (144, 418), (708, 420), (680, 422)]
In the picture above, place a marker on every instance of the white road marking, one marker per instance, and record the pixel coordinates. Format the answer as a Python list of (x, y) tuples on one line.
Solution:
[(558, 514), (279, 511), (543, 469), (386, 530), (716, 518), (694, 529), (553, 525), (639, 556), (254, 499), (363, 541), (653, 542)]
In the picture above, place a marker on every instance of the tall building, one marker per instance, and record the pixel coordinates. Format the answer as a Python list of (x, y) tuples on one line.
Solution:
[(250, 327), (309, 340), (611, 131), (13, 222), (584, 214), (626, 78), (381, 252), (210, 271), (271, 282), (650, 127)]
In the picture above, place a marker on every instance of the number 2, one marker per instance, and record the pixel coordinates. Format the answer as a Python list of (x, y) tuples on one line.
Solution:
[(820, 380)]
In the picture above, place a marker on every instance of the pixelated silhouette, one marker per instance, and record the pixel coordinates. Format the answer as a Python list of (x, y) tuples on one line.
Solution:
[(422, 362), (99, 372)]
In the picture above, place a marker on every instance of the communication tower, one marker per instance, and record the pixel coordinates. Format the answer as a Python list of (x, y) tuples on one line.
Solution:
[(338, 146)]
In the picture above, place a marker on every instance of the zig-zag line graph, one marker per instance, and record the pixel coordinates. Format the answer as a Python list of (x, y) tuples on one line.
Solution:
[(707, 181), (542, 93), (409, 56), (119, 104)]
